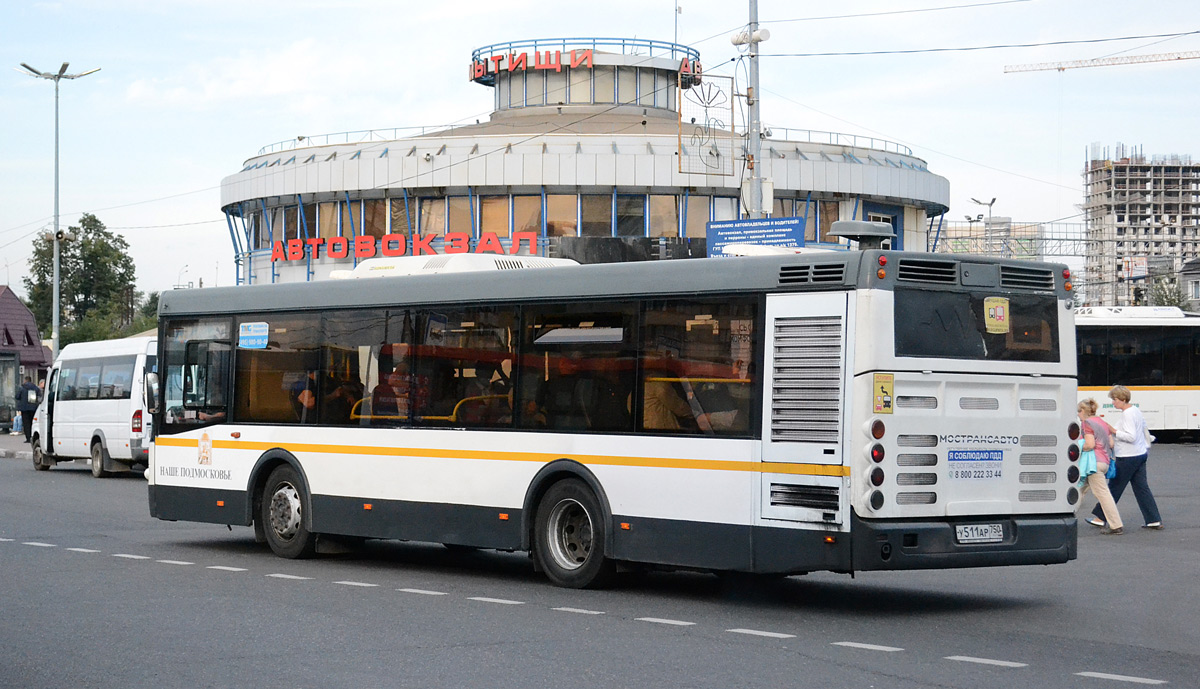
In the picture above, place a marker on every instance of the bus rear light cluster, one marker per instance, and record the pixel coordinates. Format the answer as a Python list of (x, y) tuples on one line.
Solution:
[(877, 477), (877, 454), (877, 429), (1072, 474), (1073, 431), (135, 425), (877, 500), (1073, 452), (1072, 496)]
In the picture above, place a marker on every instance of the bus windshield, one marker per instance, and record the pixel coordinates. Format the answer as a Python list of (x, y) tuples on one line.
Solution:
[(976, 325)]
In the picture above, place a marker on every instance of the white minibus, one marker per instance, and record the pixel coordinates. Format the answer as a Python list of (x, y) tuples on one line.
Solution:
[(94, 408)]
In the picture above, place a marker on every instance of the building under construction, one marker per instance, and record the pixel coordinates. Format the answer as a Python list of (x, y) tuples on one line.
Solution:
[(1143, 220)]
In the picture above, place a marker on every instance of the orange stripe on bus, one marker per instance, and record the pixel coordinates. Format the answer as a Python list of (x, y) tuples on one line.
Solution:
[(539, 457)]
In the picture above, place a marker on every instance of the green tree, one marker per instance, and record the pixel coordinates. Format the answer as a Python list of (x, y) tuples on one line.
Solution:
[(96, 283), (1166, 291)]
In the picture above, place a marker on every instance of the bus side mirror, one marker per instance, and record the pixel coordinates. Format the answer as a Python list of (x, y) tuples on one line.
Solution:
[(151, 393)]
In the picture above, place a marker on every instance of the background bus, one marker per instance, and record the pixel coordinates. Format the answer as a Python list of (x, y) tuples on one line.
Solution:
[(1152, 350), (830, 411), (94, 410)]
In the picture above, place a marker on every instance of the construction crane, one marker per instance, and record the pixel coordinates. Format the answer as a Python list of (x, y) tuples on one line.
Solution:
[(1103, 62)]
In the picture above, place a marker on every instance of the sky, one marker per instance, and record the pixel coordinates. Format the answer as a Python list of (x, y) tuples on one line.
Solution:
[(189, 89)]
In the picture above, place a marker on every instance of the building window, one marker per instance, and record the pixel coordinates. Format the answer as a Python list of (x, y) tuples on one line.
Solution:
[(829, 215), (1194, 289), (401, 222), (626, 85), (562, 215), (351, 219), (664, 216), (631, 216), (696, 224), (556, 88), (493, 211), (460, 214), (535, 88), (374, 218), (581, 85), (433, 217), (596, 215), (605, 84), (327, 220), (527, 214)]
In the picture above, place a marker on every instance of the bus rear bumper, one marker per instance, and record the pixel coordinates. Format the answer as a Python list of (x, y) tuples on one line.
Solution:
[(934, 544)]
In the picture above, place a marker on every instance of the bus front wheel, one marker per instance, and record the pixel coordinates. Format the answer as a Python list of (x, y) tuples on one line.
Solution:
[(39, 457), (282, 515), (569, 535)]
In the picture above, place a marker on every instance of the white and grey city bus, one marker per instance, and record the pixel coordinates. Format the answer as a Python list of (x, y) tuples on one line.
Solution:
[(841, 411), (1152, 350)]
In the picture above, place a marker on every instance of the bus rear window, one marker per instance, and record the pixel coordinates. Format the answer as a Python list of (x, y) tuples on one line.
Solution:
[(976, 325)]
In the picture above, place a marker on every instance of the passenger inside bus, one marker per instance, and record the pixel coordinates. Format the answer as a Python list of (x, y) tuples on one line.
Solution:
[(583, 395)]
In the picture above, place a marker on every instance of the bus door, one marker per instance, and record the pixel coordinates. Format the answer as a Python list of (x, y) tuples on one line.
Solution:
[(804, 406), (48, 422)]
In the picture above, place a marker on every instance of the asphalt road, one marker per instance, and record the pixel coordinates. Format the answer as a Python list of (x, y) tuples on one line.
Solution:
[(95, 593)]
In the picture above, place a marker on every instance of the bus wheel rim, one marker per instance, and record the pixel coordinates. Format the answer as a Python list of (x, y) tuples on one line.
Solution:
[(570, 534), (285, 511)]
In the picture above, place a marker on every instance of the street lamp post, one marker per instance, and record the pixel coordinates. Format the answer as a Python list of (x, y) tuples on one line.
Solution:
[(987, 228), (62, 74)]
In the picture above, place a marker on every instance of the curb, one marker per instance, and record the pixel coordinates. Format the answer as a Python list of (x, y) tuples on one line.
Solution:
[(26, 455)]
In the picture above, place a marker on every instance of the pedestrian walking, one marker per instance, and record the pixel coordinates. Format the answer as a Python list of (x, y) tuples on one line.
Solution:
[(1132, 449), (28, 397), (1096, 440)]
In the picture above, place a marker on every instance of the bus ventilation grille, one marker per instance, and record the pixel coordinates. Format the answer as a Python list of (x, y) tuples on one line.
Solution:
[(916, 459), (1029, 278), (1039, 440), (508, 264), (978, 403), (1038, 404), (924, 270), (915, 402), (911, 498), (917, 440), (818, 273), (1037, 477), (911, 479), (1034, 459), (1036, 495), (824, 498), (806, 389), (437, 262)]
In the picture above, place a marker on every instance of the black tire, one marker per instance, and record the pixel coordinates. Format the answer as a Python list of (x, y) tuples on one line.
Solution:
[(569, 534), (282, 515), (39, 460), (98, 460)]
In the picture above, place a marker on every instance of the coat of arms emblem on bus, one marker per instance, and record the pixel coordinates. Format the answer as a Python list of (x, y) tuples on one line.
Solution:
[(205, 446)]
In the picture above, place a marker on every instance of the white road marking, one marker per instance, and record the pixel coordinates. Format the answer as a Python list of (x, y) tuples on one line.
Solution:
[(131, 557), (227, 569), (82, 550), (356, 583), (501, 601), (659, 620), (1121, 678), (755, 632), (6, 540), (289, 576), (986, 661), (423, 592), (868, 647), (580, 611), (36, 544), (175, 562)]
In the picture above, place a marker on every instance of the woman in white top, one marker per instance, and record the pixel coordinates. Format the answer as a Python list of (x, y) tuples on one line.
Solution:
[(1131, 451)]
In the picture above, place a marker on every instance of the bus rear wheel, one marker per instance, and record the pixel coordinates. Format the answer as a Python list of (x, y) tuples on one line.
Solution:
[(282, 515), (569, 534), (98, 460)]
